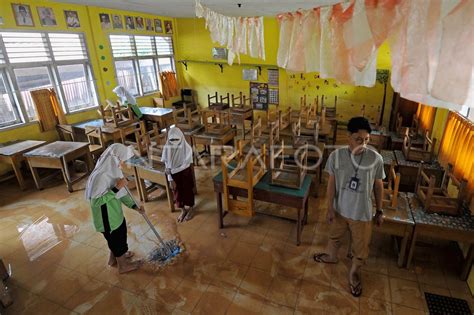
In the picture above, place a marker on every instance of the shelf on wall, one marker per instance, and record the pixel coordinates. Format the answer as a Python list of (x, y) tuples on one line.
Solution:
[(221, 64)]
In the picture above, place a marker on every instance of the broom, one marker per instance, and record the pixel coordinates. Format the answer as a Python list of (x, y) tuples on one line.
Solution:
[(168, 249)]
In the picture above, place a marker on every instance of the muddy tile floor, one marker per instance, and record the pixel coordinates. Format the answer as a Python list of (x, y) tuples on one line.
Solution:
[(58, 262)]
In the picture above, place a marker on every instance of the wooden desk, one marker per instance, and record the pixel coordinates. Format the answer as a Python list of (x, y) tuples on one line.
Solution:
[(409, 172), (13, 155), (208, 140), (163, 116), (57, 155), (263, 191), (188, 135), (396, 141), (398, 222), (110, 133), (460, 229), (154, 171)]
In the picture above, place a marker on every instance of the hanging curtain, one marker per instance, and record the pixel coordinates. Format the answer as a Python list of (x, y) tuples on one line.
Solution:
[(45, 111), (426, 116), (457, 147), (169, 85)]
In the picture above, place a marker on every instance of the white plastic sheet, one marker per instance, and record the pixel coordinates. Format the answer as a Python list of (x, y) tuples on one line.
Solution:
[(236, 33)]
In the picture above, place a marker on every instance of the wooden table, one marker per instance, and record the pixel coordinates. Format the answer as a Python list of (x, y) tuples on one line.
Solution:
[(398, 222), (396, 141), (13, 155), (57, 155), (208, 139), (263, 191), (154, 171), (163, 116), (110, 133), (188, 135), (450, 228), (409, 172)]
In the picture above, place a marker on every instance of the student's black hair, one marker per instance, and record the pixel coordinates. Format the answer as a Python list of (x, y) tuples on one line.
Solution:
[(358, 123)]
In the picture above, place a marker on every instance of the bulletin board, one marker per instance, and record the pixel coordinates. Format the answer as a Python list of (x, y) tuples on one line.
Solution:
[(259, 95)]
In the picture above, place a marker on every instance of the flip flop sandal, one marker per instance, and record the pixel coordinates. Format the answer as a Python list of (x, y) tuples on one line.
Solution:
[(129, 254), (182, 215), (356, 290), (319, 258), (189, 215)]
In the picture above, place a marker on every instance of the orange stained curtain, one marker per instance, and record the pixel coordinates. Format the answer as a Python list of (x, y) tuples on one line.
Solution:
[(169, 84), (457, 148), (426, 116)]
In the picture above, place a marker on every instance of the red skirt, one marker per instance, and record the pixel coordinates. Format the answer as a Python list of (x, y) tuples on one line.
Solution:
[(184, 191)]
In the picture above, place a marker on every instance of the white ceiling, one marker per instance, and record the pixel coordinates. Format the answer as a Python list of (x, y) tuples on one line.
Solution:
[(185, 8)]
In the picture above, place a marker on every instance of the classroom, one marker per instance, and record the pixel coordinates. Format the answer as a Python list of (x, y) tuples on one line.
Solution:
[(236, 157)]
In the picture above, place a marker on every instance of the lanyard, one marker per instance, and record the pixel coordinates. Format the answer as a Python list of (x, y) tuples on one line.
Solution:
[(356, 169)]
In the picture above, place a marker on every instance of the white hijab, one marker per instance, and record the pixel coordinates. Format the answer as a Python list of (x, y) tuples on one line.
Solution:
[(177, 153), (124, 95), (107, 171)]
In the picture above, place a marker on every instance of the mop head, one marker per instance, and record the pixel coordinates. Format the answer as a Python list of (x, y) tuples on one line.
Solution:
[(163, 255)]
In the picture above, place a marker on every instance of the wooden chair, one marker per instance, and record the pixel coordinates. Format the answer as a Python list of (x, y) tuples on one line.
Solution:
[(379, 142), (186, 118), (117, 115), (65, 132), (214, 103), (391, 187), (158, 102), (242, 170), (240, 103), (287, 175), (300, 139), (331, 112), (216, 121), (437, 199), (96, 141), (424, 154)]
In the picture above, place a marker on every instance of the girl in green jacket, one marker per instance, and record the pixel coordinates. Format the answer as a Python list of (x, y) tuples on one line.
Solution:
[(106, 192)]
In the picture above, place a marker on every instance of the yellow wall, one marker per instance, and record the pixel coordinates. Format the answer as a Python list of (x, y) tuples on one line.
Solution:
[(100, 58), (194, 43)]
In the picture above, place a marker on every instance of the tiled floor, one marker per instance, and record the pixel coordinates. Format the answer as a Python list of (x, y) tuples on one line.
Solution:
[(252, 267)]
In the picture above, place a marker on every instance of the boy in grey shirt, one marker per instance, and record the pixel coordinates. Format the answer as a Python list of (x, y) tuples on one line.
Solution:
[(354, 171)]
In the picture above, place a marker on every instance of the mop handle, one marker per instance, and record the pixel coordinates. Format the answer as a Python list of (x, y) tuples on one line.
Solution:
[(146, 218)]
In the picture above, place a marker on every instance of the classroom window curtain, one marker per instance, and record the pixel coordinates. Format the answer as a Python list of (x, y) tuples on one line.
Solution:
[(169, 85), (49, 111), (457, 148), (426, 116)]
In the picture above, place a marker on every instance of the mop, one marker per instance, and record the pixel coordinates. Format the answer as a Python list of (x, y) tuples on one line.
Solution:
[(168, 249)]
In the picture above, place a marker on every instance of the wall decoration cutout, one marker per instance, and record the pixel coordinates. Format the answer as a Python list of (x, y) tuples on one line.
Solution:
[(250, 74), (46, 16), (117, 21), (72, 19), (22, 13)]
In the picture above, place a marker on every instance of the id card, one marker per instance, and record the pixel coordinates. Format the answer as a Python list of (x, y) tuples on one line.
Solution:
[(354, 183)]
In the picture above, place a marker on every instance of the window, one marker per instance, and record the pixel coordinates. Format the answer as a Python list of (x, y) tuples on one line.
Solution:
[(140, 59), (36, 60)]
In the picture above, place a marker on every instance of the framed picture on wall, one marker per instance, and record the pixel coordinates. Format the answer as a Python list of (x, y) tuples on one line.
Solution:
[(117, 21), (149, 25), (22, 14), (72, 19), (105, 21), (158, 26), (140, 25), (46, 16), (168, 27), (129, 23)]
